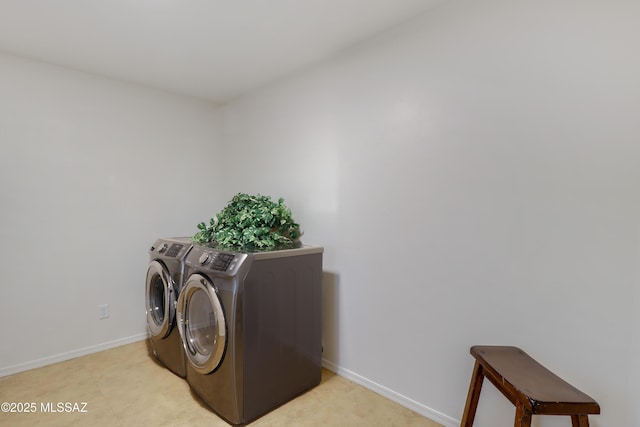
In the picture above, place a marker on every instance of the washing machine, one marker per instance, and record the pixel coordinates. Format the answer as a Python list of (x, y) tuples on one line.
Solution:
[(250, 325), (165, 277)]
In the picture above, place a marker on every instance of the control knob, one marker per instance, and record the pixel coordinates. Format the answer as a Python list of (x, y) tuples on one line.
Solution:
[(163, 248), (203, 258)]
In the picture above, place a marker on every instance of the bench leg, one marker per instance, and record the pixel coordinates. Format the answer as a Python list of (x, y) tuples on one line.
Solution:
[(523, 416), (473, 396), (580, 420)]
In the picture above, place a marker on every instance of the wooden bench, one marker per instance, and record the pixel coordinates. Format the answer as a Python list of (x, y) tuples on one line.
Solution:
[(531, 387)]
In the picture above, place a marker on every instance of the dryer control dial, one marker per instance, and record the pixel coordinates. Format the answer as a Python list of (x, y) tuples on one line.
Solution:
[(163, 247), (203, 258)]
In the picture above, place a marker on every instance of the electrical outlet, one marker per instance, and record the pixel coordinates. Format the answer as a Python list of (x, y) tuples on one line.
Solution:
[(103, 311)]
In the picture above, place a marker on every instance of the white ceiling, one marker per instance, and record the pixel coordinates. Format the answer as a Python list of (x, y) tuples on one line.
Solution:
[(212, 49)]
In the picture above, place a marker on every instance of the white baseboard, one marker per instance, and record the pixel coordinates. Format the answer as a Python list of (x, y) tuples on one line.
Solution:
[(21, 367), (418, 407)]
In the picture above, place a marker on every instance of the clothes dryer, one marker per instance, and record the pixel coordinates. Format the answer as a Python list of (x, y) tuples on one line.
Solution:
[(165, 276), (250, 325)]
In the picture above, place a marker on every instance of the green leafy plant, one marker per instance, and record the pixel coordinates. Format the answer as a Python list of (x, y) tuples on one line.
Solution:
[(250, 223)]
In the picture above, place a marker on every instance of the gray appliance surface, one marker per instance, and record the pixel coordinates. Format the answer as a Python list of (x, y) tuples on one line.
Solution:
[(165, 277), (271, 303)]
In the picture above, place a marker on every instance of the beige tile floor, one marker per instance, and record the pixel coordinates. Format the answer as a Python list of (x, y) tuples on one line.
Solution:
[(125, 386)]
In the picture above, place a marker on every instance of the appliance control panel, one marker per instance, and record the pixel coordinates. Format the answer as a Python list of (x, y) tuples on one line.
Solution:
[(169, 249), (174, 250), (212, 259), (216, 260)]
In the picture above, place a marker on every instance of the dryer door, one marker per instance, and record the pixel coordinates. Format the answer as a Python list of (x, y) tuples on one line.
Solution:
[(160, 299), (202, 324)]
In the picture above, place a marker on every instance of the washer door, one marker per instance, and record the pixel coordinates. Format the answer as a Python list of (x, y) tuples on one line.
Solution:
[(202, 324), (160, 299)]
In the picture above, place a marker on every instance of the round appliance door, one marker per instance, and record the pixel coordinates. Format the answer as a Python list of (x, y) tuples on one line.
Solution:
[(160, 299), (202, 324)]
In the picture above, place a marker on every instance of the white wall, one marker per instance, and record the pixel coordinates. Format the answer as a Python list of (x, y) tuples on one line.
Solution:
[(92, 171), (473, 177)]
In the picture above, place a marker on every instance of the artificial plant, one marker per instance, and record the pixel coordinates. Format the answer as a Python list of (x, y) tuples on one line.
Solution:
[(251, 222)]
